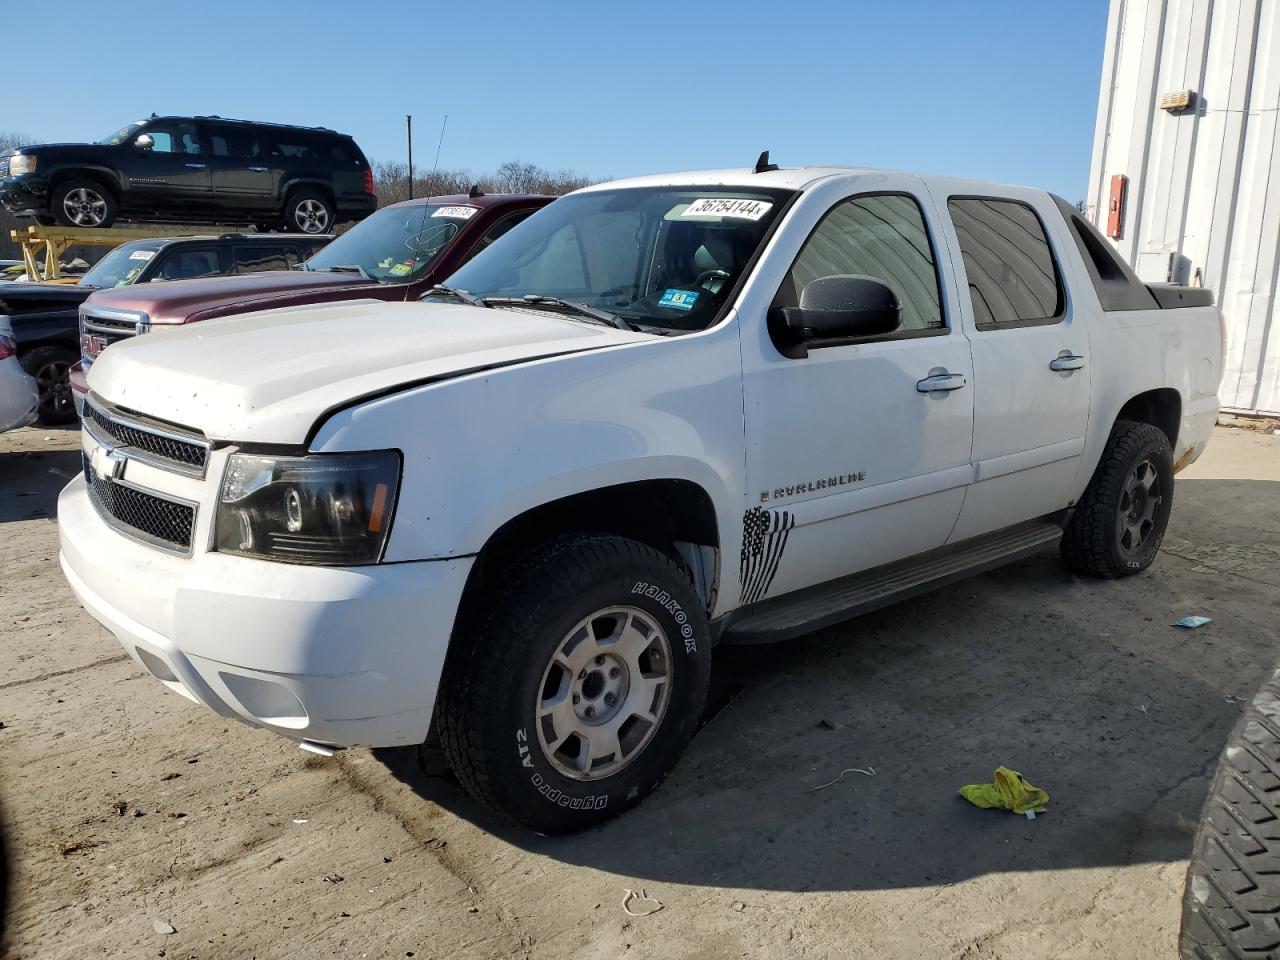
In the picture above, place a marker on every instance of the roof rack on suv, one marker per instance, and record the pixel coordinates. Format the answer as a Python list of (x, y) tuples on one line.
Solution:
[(260, 123)]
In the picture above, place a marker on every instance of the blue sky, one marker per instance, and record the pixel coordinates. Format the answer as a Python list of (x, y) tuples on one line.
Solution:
[(995, 89)]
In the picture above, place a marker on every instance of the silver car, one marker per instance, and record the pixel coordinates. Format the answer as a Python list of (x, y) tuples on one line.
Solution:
[(19, 396)]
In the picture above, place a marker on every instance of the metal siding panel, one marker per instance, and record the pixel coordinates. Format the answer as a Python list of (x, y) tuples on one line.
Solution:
[(1099, 175)]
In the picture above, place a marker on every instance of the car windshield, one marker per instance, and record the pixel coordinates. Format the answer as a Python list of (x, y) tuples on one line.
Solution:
[(122, 266), (664, 257), (396, 244), (123, 134)]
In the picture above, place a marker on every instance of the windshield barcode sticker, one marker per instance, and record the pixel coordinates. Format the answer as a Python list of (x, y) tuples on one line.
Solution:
[(457, 213), (728, 207), (142, 255)]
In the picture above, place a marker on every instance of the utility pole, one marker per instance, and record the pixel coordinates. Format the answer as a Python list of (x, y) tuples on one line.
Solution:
[(408, 126)]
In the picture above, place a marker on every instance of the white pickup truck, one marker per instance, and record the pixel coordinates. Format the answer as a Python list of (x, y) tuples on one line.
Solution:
[(660, 414)]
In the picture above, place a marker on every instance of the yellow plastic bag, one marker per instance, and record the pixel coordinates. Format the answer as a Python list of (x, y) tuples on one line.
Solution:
[(1011, 791)]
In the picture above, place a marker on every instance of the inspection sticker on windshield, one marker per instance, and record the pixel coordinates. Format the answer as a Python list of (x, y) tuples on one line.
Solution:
[(457, 213), (728, 207), (142, 255), (678, 299)]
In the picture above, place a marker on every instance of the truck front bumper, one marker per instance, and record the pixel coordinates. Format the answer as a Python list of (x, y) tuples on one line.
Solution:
[(332, 656), (26, 194)]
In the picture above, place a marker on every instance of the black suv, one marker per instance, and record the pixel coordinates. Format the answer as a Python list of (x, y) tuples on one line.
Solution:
[(45, 316), (194, 170)]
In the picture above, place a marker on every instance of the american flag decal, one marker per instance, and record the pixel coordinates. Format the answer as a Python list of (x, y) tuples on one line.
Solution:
[(764, 537)]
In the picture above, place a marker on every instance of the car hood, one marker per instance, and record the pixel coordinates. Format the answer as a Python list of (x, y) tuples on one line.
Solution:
[(269, 377), (176, 300), (35, 294)]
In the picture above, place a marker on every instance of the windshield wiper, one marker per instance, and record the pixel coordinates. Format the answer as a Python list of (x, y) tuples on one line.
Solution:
[(344, 268), (469, 299), (581, 309)]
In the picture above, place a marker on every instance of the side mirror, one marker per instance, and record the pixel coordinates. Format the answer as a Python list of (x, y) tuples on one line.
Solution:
[(144, 141), (843, 307)]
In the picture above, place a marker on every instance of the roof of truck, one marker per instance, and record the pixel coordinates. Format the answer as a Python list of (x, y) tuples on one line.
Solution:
[(785, 178)]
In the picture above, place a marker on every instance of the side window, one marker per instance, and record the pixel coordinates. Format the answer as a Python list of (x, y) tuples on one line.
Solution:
[(881, 236), (497, 230), (1013, 279), (175, 138), (190, 263), (259, 257), (233, 143), (293, 146)]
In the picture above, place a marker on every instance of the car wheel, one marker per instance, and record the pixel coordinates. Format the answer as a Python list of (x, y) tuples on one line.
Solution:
[(1118, 526), (83, 203), (308, 211), (572, 696), (1231, 903), (51, 367)]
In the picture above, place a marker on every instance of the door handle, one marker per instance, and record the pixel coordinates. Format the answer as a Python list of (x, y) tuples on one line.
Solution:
[(941, 381), (1067, 361), (258, 169), (195, 166)]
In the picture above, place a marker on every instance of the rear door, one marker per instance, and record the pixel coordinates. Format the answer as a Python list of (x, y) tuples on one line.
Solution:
[(1030, 358), (240, 175), (174, 174)]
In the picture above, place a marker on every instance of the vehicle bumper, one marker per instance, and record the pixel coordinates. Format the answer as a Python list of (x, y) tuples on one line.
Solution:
[(25, 194), (356, 207), (335, 656), (79, 380)]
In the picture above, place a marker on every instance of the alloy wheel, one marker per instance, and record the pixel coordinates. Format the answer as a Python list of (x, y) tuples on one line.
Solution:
[(85, 207), (54, 383), (604, 693), (1139, 503), (311, 216)]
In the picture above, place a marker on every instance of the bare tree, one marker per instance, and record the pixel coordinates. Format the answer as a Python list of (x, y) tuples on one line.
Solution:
[(8, 249), (391, 181), (11, 138)]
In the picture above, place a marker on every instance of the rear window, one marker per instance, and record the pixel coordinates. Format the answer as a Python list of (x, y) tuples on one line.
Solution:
[(257, 257), (1013, 278)]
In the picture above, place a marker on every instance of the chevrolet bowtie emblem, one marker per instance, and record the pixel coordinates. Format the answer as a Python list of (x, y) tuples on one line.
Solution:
[(107, 463)]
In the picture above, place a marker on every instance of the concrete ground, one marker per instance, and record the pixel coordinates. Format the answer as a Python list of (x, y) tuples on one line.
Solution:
[(131, 811)]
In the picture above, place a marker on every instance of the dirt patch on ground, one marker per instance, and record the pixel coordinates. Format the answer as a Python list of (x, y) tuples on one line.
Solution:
[(133, 813)]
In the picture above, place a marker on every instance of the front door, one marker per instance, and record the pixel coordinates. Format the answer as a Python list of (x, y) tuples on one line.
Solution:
[(1030, 361), (173, 174), (858, 453)]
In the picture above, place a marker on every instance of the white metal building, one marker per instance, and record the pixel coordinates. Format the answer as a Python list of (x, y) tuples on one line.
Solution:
[(1188, 114)]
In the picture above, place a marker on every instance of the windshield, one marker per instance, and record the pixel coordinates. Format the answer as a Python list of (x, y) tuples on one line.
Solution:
[(664, 257), (123, 134), (396, 244), (122, 266)]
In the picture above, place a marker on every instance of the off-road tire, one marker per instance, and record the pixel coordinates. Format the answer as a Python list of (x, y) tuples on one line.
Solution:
[(489, 693), (301, 199), (1231, 905), (58, 211), (51, 366), (1091, 542)]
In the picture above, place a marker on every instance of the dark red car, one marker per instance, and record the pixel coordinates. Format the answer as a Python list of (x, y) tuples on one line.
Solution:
[(398, 253)]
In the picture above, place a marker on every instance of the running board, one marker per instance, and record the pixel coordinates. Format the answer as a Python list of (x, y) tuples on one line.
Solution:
[(821, 606)]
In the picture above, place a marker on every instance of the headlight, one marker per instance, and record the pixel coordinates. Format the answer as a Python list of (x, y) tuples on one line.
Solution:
[(328, 508), (22, 163)]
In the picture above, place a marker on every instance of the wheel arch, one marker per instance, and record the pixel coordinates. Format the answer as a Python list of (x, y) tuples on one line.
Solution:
[(104, 177), (1161, 407), (674, 515)]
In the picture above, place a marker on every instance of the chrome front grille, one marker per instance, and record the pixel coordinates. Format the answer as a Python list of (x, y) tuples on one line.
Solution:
[(141, 439), (4, 167), (99, 328), (160, 521)]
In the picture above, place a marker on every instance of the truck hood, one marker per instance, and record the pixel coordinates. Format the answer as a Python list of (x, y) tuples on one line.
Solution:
[(177, 300), (42, 294), (269, 377)]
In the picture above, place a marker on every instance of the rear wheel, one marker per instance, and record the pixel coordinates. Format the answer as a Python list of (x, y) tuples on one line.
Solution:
[(1119, 524), (308, 211), (572, 698), (83, 203), (51, 367)]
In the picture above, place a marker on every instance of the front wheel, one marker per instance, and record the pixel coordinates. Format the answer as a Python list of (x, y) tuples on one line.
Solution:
[(572, 698), (1118, 526), (83, 203)]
